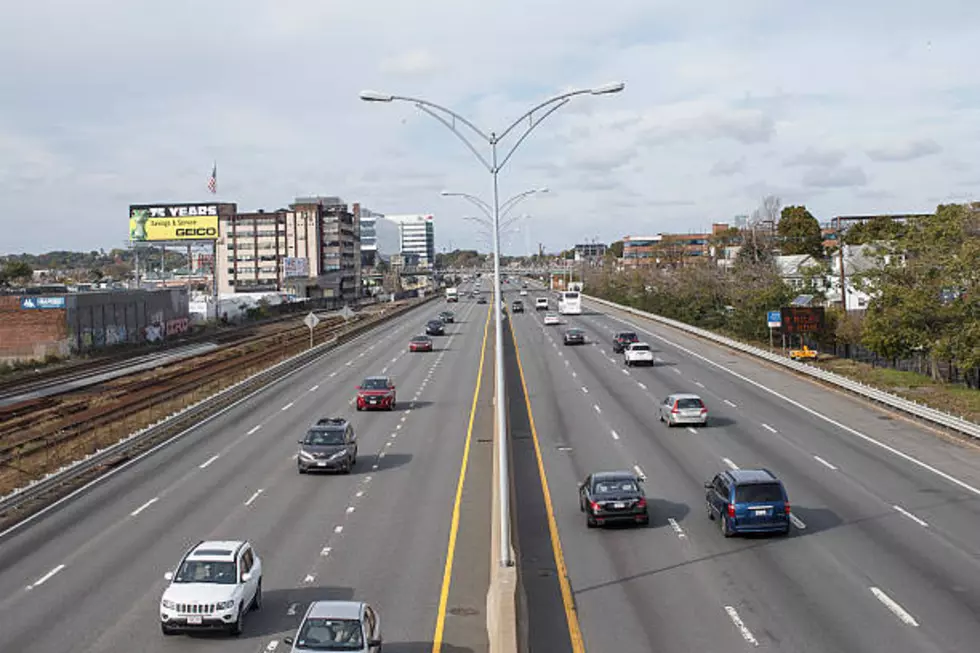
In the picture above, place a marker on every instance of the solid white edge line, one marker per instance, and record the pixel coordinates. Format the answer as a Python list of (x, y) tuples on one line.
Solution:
[(144, 506), (824, 463), (730, 464), (46, 577), (906, 513), (210, 460), (742, 628), (149, 452), (894, 607), (807, 409)]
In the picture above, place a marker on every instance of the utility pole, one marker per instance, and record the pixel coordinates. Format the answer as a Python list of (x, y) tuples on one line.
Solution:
[(843, 277)]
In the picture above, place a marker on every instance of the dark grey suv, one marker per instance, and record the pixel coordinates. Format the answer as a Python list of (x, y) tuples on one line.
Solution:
[(329, 445)]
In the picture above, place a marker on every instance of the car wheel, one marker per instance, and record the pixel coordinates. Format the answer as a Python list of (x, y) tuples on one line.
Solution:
[(349, 466), (590, 521), (784, 532), (238, 627), (359, 409), (300, 469), (257, 601), (644, 521), (167, 631), (725, 529)]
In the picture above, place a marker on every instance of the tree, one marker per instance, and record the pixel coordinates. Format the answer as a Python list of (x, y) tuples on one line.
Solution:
[(615, 249), (800, 232), (877, 229), (14, 271)]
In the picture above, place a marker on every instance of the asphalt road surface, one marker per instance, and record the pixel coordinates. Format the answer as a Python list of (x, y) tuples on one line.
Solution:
[(885, 552), (88, 576)]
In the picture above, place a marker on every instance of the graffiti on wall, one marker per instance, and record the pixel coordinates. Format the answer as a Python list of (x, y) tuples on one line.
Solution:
[(157, 330), (178, 326)]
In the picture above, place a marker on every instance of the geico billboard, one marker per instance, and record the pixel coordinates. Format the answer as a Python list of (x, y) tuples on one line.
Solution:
[(173, 222)]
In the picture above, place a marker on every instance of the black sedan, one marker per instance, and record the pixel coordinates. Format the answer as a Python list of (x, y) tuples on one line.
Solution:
[(481, 300), (435, 328), (613, 497), (517, 306), (574, 337)]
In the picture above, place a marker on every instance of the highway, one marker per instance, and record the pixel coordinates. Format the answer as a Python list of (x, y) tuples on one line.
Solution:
[(885, 555), (88, 575)]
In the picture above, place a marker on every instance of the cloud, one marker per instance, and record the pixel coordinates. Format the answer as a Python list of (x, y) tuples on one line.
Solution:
[(813, 156), (411, 62), (905, 152), (841, 177), (727, 168)]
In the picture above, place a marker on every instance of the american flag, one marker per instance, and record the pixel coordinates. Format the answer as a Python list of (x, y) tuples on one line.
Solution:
[(213, 179)]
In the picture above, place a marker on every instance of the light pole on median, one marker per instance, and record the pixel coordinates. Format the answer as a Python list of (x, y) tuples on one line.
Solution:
[(529, 120)]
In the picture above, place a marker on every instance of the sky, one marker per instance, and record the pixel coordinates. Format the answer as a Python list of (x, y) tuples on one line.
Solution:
[(846, 107)]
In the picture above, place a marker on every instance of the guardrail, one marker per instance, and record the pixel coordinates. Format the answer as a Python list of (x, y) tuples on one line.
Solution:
[(913, 408), (179, 424)]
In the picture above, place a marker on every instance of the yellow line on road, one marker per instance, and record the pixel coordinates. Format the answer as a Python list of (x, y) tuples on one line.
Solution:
[(571, 616), (447, 573)]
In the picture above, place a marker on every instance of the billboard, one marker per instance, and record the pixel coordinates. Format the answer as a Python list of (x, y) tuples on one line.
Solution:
[(295, 267), (169, 222), (802, 319)]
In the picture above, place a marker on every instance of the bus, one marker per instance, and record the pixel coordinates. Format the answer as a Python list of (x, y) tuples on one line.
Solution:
[(570, 303)]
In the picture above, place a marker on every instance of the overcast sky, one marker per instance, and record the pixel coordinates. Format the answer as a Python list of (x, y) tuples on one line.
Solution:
[(848, 107)]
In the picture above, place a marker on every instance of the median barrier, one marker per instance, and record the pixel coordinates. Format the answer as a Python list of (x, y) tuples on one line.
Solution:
[(913, 408)]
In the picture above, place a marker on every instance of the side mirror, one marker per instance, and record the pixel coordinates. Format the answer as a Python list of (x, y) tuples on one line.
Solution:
[(247, 576), (287, 640), (299, 442), (168, 576), (581, 484), (371, 642), (708, 485)]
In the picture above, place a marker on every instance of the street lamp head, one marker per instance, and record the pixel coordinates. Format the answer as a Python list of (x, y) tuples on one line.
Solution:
[(375, 96), (543, 189), (446, 193), (606, 89)]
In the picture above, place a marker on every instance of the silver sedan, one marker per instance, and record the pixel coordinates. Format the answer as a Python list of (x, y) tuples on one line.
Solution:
[(683, 408)]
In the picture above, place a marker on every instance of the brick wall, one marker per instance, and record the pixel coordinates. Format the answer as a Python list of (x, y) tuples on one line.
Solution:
[(31, 334)]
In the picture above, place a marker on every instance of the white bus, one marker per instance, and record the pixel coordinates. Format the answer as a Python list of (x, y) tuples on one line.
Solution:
[(570, 303)]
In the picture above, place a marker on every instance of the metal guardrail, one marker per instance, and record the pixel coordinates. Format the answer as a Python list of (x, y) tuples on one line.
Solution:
[(913, 408), (182, 420)]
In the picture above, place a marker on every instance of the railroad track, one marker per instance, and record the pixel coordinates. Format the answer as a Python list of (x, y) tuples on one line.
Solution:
[(40, 435)]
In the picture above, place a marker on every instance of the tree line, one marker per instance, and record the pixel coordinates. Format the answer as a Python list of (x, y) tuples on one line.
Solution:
[(924, 290)]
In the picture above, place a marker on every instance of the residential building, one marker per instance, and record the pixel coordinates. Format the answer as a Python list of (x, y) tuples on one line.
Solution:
[(416, 236), (250, 250), (337, 261), (589, 251)]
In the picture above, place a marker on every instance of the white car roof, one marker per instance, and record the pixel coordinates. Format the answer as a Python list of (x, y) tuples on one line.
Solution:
[(217, 549)]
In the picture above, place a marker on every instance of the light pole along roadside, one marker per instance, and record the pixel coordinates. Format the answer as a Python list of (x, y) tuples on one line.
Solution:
[(529, 120)]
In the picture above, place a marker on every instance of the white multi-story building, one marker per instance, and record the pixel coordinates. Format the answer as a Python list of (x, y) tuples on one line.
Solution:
[(417, 237)]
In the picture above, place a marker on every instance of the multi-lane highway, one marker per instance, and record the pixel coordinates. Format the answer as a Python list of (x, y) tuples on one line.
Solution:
[(88, 575), (885, 555)]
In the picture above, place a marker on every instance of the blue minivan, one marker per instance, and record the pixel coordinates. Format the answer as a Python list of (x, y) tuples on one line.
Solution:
[(748, 501)]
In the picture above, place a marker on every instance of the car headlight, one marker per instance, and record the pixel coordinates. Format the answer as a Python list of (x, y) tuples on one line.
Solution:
[(224, 605), (169, 605), (306, 455), (337, 455)]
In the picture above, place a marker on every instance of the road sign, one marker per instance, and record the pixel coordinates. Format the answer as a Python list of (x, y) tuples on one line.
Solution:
[(775, 319), (346, 313), (311, 320)]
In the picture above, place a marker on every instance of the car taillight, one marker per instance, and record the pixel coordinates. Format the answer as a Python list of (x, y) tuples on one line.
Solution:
[(642, 503), (674, 410), (731, 510), (703, 410), (787, 508)]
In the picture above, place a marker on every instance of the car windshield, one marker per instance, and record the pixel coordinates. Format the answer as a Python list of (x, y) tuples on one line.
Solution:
[(374, 384), (206, 571), (325, 437), (628, 336), (331, 635), (615, 486), (571, 295), (574, 332), (689, 403), (758, 493), (640, 348), (420, 339)]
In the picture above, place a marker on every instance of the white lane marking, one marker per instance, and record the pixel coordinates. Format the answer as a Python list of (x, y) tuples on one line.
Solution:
[(254, 496), (699, 384), (350, 509), (144, 506), (615, 435), (585, 390), (677, 371), (253, 429), (375, 466), (911, 516), (742, 628), (639, 472), (408, 412), (384, 369), (46, 577), (395, 434), (797, 522), (325, 551), (730, 464), (333, 374), (360, 493), (867, 438), (367, 479), (404, 417), (769, 428), (692, 430), (288, 406), (315, 388), (567, 363), (273, 645), (576, 376), (292, 609), (210, 460), (730, 403), (338, 529), (824, 463), (309, 578), (677, 527), (642, 385), (895, 608), (348, 363), (626, 372), (597, 409), (394, 359), (398, 426)]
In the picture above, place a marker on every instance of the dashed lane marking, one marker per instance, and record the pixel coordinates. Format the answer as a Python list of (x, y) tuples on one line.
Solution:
[(824, 463), (797, 521), (730, 464), (253, 429), (906, 513), (642, 385), (729, 403), (894, 607), (46, 577), (254, 496), (288, 406), (769, 428), (208, 462), (676, 527), (742, 628), (144, 506), (615, 436)]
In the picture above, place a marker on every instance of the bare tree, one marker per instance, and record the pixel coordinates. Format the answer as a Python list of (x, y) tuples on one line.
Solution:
[(770, 210)]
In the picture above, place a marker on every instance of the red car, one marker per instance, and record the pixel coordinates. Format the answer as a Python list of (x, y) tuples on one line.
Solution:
[(376, 392), (420, 343)]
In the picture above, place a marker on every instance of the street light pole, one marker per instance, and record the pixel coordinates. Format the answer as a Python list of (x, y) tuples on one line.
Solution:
[(534, 117)]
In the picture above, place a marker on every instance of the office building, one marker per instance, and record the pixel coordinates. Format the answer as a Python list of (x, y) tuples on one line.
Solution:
[(416, 236), (337, 264), (368, 221), (250, 250), (589, 251)]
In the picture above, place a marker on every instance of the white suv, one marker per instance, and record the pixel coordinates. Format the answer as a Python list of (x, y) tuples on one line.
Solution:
[(638, 353), (214, 585)]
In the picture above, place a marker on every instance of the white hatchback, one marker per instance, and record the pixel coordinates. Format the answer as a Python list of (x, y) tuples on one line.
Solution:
[(550, 319)]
